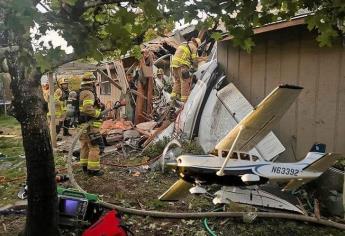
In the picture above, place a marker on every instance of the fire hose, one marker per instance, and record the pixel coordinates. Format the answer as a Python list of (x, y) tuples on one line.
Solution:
[(194, 215)]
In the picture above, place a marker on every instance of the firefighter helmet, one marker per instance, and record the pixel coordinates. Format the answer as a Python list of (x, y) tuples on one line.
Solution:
[(62, 80), (88, 78)]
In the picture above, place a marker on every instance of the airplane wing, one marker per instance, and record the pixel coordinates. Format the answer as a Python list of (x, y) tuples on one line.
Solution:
[(321, 165), (258, 123), (177, 191), (296, 183)]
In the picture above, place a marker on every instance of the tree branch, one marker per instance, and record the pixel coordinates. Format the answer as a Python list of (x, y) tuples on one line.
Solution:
[(95, 3), (3, 50), (68, 58)]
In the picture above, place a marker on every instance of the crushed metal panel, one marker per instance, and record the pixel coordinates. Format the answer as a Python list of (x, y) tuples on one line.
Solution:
[(256, 197), (189, 114), (212, 132), (216, 121), (223, 110)]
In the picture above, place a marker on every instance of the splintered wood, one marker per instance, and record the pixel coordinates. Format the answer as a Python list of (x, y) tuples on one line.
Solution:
[(143, 107)]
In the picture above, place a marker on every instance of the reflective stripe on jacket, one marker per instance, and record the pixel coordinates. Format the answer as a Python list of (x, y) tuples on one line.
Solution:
[(60, 108), (87, 107), (184, 55)]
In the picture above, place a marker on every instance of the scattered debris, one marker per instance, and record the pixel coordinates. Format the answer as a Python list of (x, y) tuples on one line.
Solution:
[(23, 192)]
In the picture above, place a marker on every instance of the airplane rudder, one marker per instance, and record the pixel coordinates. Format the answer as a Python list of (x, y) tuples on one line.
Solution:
[(318, 147)]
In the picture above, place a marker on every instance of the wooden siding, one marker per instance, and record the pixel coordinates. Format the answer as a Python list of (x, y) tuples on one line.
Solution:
[(108, 99), (291, 56)]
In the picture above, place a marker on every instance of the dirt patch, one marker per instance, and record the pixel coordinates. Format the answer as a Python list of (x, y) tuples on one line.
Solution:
[(11, 224)]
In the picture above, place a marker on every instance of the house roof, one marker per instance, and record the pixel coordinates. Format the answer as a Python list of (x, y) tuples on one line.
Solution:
[(161, 43), (298, 20), (76, 68)]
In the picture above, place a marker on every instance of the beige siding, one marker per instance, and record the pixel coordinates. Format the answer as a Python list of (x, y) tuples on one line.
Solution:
[(108, 99), (292, 56)]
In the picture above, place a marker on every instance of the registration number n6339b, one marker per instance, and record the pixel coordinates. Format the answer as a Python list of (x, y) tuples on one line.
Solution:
[(285, 171)]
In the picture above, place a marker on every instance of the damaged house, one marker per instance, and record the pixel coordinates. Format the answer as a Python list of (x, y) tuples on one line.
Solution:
[(287, 53)]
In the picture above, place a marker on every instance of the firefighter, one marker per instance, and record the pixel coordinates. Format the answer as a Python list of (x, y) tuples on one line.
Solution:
[(91, 138), (183, 60), (72, 109), (60, 99)]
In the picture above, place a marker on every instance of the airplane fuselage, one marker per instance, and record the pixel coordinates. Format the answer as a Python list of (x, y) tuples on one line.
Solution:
[(203, 169)]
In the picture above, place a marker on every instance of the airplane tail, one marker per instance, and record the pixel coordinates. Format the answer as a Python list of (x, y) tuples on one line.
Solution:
[(316, 161), (317, 151)]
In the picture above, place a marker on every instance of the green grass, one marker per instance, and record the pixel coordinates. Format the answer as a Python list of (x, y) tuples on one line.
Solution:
[(9, 122), (11, 166), (11, 146)]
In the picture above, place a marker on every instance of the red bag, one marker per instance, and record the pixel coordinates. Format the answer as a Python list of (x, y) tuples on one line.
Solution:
[(108, 225)]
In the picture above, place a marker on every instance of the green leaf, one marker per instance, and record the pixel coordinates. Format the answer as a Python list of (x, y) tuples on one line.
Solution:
[(216, 36), (326, 37), (248, 44), (136, 52)]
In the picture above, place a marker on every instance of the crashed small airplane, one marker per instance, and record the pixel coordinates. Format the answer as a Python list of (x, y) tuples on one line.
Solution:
[(239, 168)]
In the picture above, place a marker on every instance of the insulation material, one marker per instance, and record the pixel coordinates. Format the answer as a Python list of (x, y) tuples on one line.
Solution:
[(109, 125), (147, 126)]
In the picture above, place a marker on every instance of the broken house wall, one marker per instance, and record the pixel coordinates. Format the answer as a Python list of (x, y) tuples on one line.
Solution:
[(292, 56), (106, 91)]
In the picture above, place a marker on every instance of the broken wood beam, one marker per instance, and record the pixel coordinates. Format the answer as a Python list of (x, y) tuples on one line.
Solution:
[(149, 95), (121, 74), (140, 104)]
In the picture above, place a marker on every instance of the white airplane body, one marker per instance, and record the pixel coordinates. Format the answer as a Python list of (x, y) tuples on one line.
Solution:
[(239, 172), (239, 168)]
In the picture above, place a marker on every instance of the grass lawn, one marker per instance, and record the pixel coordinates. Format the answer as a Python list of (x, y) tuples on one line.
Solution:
[(12, 160), (9, 122)]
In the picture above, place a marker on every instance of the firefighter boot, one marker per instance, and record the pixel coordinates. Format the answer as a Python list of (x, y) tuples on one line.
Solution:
[(66, 123), (84, 168), (65, 132), (95, 172)]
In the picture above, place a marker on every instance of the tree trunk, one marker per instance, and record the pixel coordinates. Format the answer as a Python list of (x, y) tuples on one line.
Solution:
[(30, 110)]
